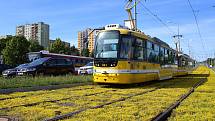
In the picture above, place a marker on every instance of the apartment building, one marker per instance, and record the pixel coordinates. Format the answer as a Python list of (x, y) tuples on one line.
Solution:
[(86, 39), (36, 31)]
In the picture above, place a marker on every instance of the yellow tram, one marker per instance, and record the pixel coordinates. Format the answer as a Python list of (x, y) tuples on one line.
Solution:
[(123, 56)]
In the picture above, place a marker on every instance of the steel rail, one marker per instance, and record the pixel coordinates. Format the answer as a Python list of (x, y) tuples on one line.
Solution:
[(70, 114), (9, 98), (46, 101), (165, 114)]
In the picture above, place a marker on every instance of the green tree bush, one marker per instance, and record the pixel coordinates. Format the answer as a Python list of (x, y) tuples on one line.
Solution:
[(15, 51), (59, 47), (34, 46), (74, 51), (92, 54), (3, 43), (85, 52)]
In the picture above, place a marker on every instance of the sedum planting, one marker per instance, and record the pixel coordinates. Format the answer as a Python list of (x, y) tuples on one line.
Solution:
[(200, 105)]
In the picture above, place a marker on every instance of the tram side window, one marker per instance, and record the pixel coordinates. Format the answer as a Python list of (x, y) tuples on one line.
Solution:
[(175, 58), (126, 50), (167, 56), (151, 55), (183, 62), (171, 57), (156, 52), (161, 54), (138, 50), (144, 50)]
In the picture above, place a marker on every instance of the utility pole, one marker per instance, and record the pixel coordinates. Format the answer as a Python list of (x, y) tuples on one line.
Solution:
[(177, 39), (189, 47)]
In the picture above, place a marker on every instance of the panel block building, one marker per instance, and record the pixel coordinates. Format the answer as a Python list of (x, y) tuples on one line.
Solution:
[(86, 39), (36, 31)]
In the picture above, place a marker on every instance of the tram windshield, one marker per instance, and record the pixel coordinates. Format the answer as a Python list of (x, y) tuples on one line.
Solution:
[(107, 45)]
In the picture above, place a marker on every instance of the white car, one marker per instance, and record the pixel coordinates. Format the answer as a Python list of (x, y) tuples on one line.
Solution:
[(87, 69)]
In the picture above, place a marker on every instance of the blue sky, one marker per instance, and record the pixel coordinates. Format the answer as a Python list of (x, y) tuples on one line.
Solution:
[(67, 17)]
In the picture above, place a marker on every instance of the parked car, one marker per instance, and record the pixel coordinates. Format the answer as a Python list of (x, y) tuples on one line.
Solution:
[(87, 69), (47, 65), (4, 67), (13, 72)]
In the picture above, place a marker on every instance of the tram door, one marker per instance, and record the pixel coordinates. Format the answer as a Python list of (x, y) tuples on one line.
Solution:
[(166, 64), (126, 54)]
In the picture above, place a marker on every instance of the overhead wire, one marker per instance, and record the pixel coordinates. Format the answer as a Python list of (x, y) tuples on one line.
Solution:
[(197, 25), (171, 32)]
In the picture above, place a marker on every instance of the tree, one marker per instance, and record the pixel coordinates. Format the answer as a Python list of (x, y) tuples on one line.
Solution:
[(74, 51), (15, 51), (85, 52), (34, 46), (59, 47), (92, 54), (67, 50), (3, 43)]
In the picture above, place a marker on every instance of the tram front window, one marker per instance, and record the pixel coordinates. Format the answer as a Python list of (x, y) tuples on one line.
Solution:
[(107, 45)]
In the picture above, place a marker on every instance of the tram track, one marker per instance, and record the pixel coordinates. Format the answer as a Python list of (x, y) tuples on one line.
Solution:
[(153, 87), (46, 101), (166, 113), (27, 95), (68, 115), (39, 88), (71, 114), (129, 95)]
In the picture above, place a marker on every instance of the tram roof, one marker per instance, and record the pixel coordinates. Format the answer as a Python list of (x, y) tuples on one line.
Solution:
[(142, 35)]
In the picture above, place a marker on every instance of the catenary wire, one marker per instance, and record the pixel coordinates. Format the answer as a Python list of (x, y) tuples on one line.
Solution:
[(171, 32), (197, 25)]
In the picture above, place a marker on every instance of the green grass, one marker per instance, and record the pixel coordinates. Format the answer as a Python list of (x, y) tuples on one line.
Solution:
[(42, 81)]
